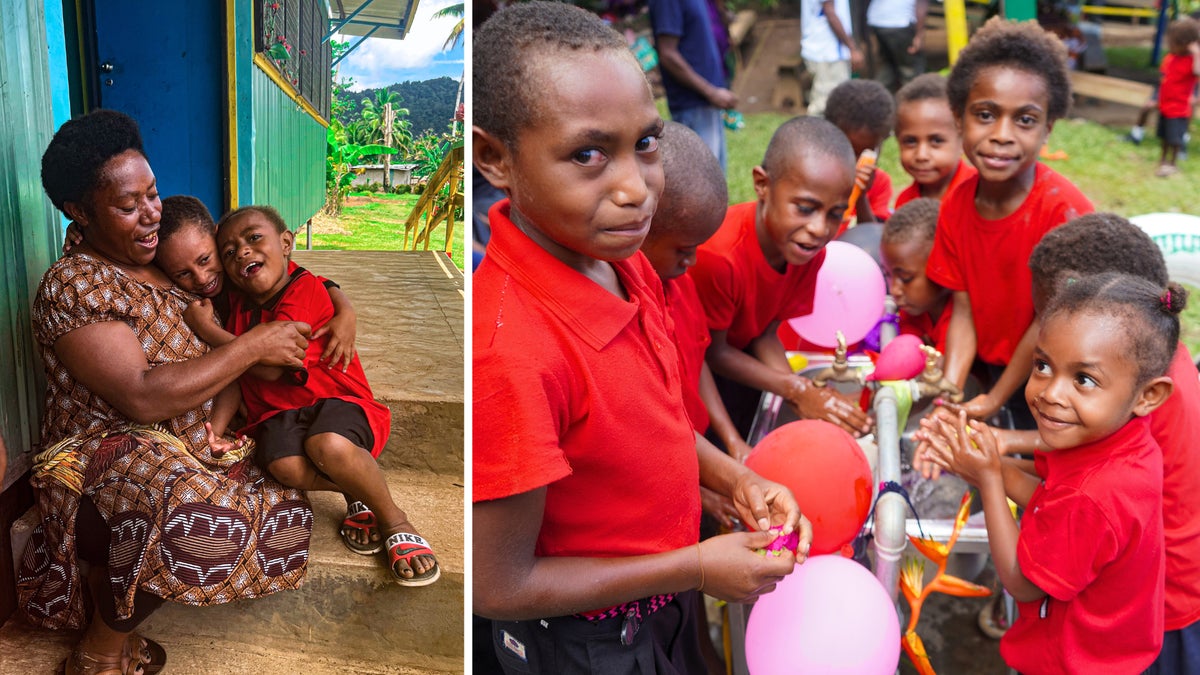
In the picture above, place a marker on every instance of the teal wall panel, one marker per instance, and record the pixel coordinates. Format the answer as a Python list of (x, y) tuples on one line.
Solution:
[(289, 154), (29, 235)]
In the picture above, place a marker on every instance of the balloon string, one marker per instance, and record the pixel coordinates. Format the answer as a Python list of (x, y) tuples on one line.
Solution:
[(892, 486)]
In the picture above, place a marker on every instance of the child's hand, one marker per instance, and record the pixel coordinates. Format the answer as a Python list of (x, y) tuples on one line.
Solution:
[(720, 507), (922, 456), (968, 448), (342, 330), (981, 407), (864, 175), (219, 445), (825, 403), (734, 571), (763, 504), (199, 314), (740, 450), (72, 238)]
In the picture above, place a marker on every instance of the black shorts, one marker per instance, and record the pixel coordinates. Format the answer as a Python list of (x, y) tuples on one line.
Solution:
[(283, 434), (1172, 129), (667, 643)]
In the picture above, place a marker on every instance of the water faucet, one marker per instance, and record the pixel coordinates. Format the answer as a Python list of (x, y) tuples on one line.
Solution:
[(839, 370), (933, 382)]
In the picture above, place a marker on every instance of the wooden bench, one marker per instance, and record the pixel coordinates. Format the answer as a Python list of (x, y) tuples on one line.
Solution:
[(1107, 88)]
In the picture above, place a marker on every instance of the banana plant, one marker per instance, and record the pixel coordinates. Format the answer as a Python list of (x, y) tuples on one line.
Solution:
[(340, 157)]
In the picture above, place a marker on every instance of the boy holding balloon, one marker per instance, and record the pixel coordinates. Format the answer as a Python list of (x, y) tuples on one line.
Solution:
[(760, 268), (585, 470)]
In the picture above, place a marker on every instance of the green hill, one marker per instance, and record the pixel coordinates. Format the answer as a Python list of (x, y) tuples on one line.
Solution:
[(430, 103)]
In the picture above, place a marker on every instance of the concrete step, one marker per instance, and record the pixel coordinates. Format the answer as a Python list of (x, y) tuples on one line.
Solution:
[(348, 617)]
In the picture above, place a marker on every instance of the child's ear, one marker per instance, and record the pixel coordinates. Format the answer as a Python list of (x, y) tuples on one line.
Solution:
[(289, 239), (1154, 393), (491, 157), (762, 183)]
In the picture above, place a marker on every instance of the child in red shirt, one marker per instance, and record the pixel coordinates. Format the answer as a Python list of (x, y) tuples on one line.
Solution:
[(865, 112), (585, 468), (1086, 565), (760, 269), (1008, 87), (319, 428), (930, 146), (1176, 90), (924, 306)]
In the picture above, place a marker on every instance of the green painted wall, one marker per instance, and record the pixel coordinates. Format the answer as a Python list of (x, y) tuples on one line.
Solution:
[(29, 235), (289, 154)]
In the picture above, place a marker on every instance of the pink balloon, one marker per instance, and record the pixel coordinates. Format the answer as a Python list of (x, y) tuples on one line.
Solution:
[(849, 297), (829, 617), (901, 359)]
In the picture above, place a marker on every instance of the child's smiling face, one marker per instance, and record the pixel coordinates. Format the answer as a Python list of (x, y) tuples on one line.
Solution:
[(1005, 123), (1084, 382), (584, 174), (930, 147), (255, 254), (189, 258), (801, 209)]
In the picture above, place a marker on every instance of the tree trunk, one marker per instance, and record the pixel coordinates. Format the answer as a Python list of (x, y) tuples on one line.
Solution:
[(387, 140)]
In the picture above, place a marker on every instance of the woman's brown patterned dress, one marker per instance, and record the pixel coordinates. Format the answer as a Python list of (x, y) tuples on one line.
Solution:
[(185, 526)]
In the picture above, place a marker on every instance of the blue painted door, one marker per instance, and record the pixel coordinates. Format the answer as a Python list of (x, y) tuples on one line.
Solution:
[(163, 64)]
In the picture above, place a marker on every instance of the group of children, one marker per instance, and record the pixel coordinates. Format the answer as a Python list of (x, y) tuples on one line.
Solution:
[(595, 364), (315, 428)]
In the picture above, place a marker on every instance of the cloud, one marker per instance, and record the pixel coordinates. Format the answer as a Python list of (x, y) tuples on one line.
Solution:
[(378, 62)]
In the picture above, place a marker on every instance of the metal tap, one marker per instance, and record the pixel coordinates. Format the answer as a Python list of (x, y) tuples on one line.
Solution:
[(839, 370), (933, 381)]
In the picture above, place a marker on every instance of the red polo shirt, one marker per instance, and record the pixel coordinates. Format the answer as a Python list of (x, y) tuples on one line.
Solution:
[(1177, 86), (961, 174), (989, 259), (1091, 538), (691, 340), (879, 195), (741, 292), (578, 391)]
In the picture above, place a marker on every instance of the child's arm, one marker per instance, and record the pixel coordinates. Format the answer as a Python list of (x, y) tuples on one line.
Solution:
[(960, 340), (72, 237), (200, 317), (969, 449), (718, 416), (1013, 377), (1194, 49), (864, 174), (342, 330), (839, 31), (225, 406)]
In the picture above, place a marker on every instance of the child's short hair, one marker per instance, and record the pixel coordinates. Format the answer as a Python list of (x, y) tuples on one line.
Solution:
[(921, 88), (695, 190), (1183, 31), (181, 211), (861, 104), (915, 221), (1094, 244), (1025, 46), (803, 137), (267, 212), (505, 101), (1148, 311), (79, 150)]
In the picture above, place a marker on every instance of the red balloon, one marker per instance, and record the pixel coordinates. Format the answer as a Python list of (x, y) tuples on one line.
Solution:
[(828, 473)]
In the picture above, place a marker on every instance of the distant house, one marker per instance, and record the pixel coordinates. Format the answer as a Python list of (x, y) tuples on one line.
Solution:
[(365, 174)]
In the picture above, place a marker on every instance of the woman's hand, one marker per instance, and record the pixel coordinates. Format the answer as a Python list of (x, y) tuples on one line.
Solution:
[(342, 330), (825, 403), (732, 570), (720, 507), (280, 343)]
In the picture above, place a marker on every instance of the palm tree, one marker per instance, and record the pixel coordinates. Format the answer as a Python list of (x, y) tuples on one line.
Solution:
[(374, 126), (455, 11)]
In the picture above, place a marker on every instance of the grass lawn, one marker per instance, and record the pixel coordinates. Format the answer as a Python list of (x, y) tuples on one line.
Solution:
[(1115, 174), (375, 222)]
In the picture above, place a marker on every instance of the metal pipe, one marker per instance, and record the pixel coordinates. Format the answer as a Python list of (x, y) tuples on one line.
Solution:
[(890, 510)]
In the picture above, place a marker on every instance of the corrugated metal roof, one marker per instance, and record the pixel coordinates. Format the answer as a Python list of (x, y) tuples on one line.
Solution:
[(389, 19)]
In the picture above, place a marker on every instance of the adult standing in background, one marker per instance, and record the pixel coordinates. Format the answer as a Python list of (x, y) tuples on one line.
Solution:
[(693, 69), (827, 47), (899, 29)]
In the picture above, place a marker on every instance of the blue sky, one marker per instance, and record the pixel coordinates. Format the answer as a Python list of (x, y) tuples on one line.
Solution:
[(419, 56)]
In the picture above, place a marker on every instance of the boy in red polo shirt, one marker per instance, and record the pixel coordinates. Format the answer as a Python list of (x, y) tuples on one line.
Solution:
[(760, 269), (904, 247), (1008, 87), (1177, 90), (929, 142), (585, 469)]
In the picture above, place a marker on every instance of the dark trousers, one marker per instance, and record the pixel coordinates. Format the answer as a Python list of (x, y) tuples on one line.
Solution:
[(667, 643), (896, 66)]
